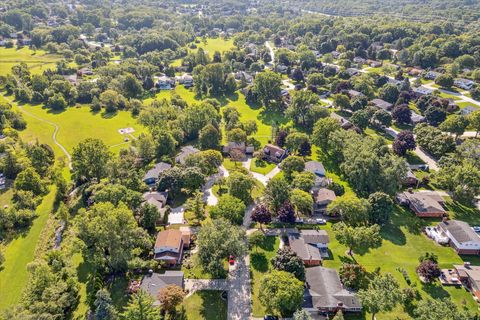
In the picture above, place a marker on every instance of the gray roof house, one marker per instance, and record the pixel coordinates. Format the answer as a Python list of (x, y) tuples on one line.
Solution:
[(382, 104), (310, 245), (184, 153), (153, 282), (157, 199), (416, 118), (323, 198), (462, 237), (152, 175), (325, 293), (318, 170)]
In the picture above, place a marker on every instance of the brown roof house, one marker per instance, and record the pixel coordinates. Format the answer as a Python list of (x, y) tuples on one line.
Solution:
[(323, 198), (310, 245), (325, 293), (461, 236), (154, 282), (423, 203), (274, 153), (169, 246), (239, 147)]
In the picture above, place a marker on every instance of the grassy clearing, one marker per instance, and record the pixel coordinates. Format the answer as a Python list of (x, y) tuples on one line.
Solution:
[(205, 304), (20, 252), (210, 45), (37, 61), (192, 269), (260, 166), (464, 104), (260, 265), (402, 244)]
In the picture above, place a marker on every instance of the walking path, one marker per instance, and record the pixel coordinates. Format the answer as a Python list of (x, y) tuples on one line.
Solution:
[(272, 53), (263, 178), (55, 131)]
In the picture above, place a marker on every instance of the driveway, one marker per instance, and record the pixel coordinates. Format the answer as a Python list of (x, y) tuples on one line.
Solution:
[(176, 215), (239, 306), (260, 177), (192, 285), (208, 196)]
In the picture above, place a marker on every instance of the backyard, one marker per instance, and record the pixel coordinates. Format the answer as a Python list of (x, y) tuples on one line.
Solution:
[(37, 61), (205, 304)]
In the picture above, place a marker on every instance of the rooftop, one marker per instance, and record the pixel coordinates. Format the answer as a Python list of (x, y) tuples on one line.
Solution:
[(460, 230)]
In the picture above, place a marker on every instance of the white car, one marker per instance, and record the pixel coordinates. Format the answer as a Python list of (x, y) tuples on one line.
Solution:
[(476, 229), (321, 221)]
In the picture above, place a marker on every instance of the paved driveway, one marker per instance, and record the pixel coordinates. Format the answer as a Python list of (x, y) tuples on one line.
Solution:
[(176, 215)]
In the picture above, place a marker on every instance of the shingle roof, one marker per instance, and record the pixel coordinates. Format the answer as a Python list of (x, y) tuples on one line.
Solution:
[(170, 238), (325, 290), (315, 236), (424, 201), (325, 195), (152, 283), (382, 104), (303, 243), (156, 170), (315, 167), (460, 230), (184, 153)]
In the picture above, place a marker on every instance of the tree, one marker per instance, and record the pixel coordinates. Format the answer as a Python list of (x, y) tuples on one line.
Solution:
[(322, 130), (149, 216), (240, 185), (292, 164), (140, 307), (267, 87), (301, 314), (338, 315), (280, 292), (165, 143), (341, 101), (236, 135), (381, 205), (382, 295), (455, 124), (57, 102), (428, 271), (474, 120), (439, 309), (297, 75), (281, 137), (389, 93), (360, 119), (170, 297), (433, 140), (303, 181), (196, 206), (277, 192), (261, 214), (29, 180), (230, 208), (111, 235), (316, 79), (296, 140), (104, 309), (216, 242), (402, 114), (287, 260), (435, 116), (192, 179), (209, 137), (89, 160), (382, 118), (444, 80), (286, 213), (462, 179), (256, 239), (299, 109), (353, 276), (404, 141), (302, 201), (357, 237), (354, 211)]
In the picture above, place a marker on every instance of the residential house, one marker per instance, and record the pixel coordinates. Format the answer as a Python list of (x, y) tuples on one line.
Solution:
[(159, 200), (464, 84), (382, 104), (467, 110), (374, 64), (318, 170), (185, 152), (244, 76), (151, 176), (324, 292), (410, 180), (3, 181), (85, 72), (415, 72), (283, 69), (344, 123), (423, 203), (416, 118), (352, 71), (186, 80), (152, 283), (310, 245), (422, 91), (359, 60), (165, 83), (238, 147), (395, 82), (431, 75), (169, 246), (274, 153), (354, 93), (470, 276), (335, 54), (462, 237), (323, 198)]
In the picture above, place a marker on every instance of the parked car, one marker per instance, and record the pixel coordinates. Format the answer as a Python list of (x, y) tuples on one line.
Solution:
[(299, 221), (268, 317), (321, 221), (231, 260), (476, 229)]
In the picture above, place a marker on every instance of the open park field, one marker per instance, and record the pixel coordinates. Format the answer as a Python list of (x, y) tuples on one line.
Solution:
[(210, 46), (37, 61)]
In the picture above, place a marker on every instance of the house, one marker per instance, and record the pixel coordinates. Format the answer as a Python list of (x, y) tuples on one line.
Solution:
[(283, 69), (352, 71), (410, 179), (239, 147), (416, 118), (151, 176), (186, 80), (470, 276), (274, 153), (85, 72), (185, 152), (310, 245), (431, 75), (242, 75), (159, 200), (464, 84), (462, 237), (165, 83), (422, 91), (374, 64), (318, 170), (344, 123), (359, 60), (323, 198), (423, 203), (324, 292), (169, 246), (414, 72), (335, 54), (395, 82), (382, 104), (3, 182), (354, 93), (154, 282), (467, 110)]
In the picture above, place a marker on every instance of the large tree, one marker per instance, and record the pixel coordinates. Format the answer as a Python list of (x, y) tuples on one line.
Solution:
[(300, 108), (381, 206), (455, 124), (357, 237), (140, 307), (382, 295), (261, 214), (170, 297), (354, 211), (280, 292), (277, 192), (440, 309), (240, 185), (292, 164), (404, 141), (287, 260), (302, 201), (216, 242), (230, 208), (267, 87), (89, 160), (322, 130)]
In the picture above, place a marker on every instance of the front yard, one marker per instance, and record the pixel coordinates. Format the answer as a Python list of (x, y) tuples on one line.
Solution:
[(205, 304)]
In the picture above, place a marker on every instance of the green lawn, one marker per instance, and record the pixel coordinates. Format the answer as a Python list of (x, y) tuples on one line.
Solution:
[(210, 46), (402, 244), (193, 270), (21, 251), (412, 158), (262, 167), (37, 62), (462, 105), (259, 265), (205, 304)]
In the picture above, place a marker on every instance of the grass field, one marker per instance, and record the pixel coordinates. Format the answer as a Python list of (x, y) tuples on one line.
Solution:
[(262, 167), (20, 252), (206, 304), (210, 46), (37, 61), (259, 265)]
